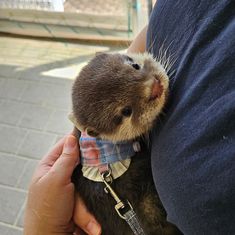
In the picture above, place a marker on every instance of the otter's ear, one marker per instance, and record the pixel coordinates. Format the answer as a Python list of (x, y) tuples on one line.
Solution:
[(91, 132), (75, 122)]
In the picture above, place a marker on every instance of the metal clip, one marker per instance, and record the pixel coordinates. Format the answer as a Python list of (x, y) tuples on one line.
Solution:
[(120, 206)]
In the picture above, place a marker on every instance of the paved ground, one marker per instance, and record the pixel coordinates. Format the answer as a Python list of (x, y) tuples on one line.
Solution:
[(35, 84)]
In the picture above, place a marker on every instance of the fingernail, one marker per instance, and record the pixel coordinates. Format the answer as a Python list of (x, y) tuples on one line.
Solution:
[(70, 144), (93, 228)]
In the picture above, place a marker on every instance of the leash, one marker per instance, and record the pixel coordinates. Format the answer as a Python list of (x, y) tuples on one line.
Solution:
[(123, 208)]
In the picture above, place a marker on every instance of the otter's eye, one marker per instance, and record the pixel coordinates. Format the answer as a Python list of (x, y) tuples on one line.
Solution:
[(127, 111), (135, 66)]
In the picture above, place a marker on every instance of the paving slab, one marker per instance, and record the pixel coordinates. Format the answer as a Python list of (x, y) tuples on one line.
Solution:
[(12, 88), (36, 144), (11, 138), (59, 122), (35, 116), (25, 178), (11, 111), (11, 201), (5, 230), (52, 95), (11, 169)]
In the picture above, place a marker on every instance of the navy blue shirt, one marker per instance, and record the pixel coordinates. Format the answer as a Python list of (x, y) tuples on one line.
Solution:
[(193, 146)]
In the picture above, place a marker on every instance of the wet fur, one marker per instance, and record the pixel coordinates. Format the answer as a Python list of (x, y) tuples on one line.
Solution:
[(100, 92)]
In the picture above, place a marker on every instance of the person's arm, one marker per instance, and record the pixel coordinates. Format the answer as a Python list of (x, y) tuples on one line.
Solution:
[(138, 44), (50, 205)]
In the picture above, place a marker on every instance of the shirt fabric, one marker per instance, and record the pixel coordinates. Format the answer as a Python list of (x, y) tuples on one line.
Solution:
[(193, 147)]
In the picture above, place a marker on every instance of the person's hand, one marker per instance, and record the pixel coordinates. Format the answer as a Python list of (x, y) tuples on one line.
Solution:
[(51, 198)]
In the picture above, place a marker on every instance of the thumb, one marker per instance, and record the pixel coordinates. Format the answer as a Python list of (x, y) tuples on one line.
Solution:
[(68, 160), (84, 219)]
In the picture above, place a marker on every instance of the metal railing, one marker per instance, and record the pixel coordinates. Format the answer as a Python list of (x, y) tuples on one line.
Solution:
[(49, 5), (127, 20)]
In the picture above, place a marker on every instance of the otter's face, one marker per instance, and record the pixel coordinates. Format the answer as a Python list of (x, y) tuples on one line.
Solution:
[(118, 97)]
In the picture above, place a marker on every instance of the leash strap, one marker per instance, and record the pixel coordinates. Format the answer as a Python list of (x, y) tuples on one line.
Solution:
[(132, 219), (123, 208)]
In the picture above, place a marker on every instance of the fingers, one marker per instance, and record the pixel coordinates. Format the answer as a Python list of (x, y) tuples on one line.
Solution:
[(65, 164), (84, 220)]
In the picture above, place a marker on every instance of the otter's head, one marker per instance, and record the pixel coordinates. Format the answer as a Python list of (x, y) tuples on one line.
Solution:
[(118, 97)]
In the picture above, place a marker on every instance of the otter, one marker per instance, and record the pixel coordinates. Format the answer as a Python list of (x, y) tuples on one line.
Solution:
[(116, 98)]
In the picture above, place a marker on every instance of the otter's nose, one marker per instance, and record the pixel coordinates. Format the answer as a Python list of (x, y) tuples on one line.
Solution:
[(157, 90)]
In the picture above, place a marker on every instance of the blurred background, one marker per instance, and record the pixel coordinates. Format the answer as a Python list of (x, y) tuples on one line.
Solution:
[(43, 46)]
